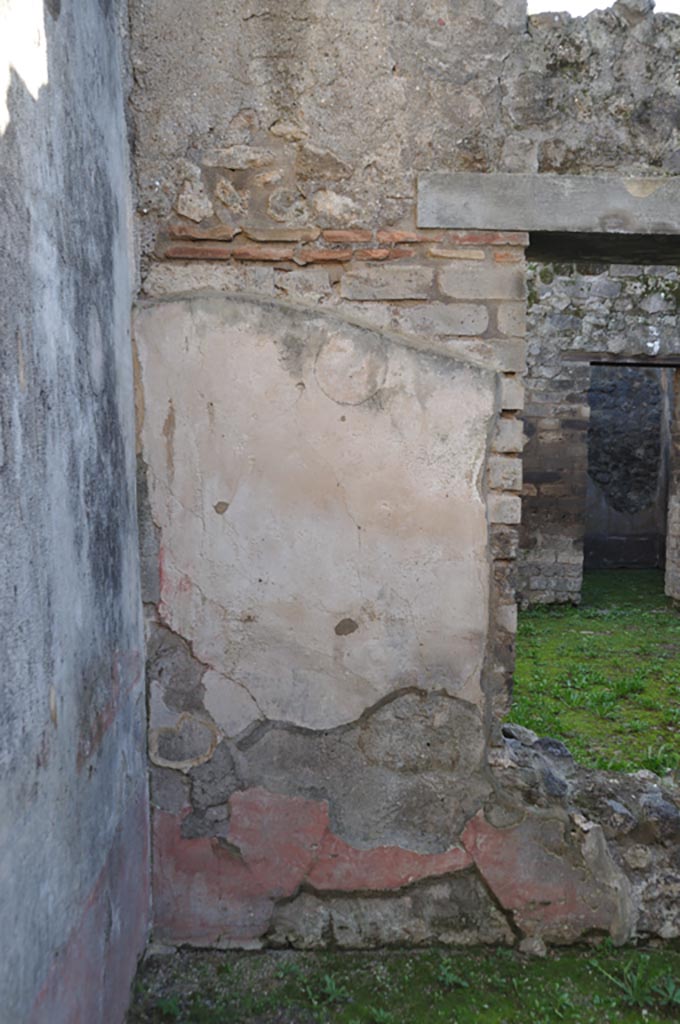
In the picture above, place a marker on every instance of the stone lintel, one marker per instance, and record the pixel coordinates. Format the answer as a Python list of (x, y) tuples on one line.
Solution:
[(550, 202)]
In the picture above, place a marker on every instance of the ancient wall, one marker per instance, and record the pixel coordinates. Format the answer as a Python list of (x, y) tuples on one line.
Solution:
[(329, 438), (73, 847), (331, 629), (271, 127), (578, 312)]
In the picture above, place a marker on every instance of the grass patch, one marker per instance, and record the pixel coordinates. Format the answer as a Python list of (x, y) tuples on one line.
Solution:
[(605, 677), (428, 987)]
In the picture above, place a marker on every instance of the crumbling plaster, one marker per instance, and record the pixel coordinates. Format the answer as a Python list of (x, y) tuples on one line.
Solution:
[(349, 558)]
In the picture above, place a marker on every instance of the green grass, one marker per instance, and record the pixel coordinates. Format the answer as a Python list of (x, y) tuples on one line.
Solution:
[(605, 677), (601, 986)]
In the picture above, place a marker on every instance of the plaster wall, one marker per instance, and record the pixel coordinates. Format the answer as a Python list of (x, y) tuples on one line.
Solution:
[(73, 808), (322, 639)]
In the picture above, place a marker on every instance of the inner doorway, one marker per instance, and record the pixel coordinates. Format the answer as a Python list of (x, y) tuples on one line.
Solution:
[(629, 453)]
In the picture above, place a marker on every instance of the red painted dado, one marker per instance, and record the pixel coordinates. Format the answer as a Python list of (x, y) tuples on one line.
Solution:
[(209, 891), (343, 868), (206, 891), (538, 875)]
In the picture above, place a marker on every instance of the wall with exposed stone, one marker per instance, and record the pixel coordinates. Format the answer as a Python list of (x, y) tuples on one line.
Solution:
[(330, 440), (74, 851), (577, 313), (302, 115)]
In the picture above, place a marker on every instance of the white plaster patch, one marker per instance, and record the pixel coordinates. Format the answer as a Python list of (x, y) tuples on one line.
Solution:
[(229, 704), (330, 514)]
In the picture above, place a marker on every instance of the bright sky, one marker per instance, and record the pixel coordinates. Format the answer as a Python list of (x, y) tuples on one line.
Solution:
[(579, 7)]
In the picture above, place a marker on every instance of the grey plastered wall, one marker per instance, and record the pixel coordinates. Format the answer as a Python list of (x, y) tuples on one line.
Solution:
[(73, 839)]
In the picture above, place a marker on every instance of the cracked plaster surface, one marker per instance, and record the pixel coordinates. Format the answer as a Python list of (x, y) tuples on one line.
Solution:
[(306, 473)]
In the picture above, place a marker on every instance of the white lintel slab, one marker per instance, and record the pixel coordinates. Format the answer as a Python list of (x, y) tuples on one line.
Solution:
[(549, 202)]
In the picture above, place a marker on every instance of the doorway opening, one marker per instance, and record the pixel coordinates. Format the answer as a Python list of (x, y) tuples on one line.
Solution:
[(627, 484), (601, 478), (598, 644)]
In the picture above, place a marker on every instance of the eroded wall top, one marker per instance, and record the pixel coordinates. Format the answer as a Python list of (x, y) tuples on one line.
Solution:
[(301, 113)]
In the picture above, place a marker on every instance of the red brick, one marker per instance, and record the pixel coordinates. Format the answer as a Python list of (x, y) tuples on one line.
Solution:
[(196, 251), (372, 253), (270, 253), (218, 233), (508, 256), (348, 236), (390, 236), (281, 234), (303, 256), (204, 251), (383, 254)]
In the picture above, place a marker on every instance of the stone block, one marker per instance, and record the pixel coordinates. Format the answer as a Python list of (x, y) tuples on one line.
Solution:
[(512, 319), (509, 437), (176, 278), (506, 617), (504, 508), (311, 285), (455, 911), (443, 319), (500, 354), (504, 541), (550, 202), (482, 281), (512, 394), (505, 473), (375, 284)]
